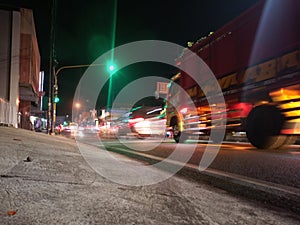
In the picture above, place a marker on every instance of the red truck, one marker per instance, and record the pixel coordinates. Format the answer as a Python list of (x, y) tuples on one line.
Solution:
[(256, 61)]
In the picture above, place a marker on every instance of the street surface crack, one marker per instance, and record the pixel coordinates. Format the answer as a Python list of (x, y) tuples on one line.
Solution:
[(41, 180)]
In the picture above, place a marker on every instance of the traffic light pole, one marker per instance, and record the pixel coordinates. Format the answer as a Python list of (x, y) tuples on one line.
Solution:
[(55, 86), (55, 93), (50, 91)]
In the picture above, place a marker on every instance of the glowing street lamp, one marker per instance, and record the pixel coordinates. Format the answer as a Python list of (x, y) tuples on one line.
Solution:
[(77, 105)]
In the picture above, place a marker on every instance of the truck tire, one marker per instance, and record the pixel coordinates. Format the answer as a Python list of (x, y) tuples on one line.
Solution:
[(178, 136), (263, 127)]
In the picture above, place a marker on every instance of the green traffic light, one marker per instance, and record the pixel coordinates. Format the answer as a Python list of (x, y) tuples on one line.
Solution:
[(111, 68), (56, 99)]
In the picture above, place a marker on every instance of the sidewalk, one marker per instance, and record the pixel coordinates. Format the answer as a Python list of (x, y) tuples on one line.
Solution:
[(45, 180), (41, 172)]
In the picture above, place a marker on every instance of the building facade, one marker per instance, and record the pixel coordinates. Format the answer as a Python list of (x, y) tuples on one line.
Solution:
[(20, 92)]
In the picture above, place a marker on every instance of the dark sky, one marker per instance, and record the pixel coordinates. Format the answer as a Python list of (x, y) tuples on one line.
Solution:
[(84, 30)]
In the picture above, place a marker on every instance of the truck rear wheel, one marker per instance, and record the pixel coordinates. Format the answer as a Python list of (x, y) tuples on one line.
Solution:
[(263, 127), (179, 137)]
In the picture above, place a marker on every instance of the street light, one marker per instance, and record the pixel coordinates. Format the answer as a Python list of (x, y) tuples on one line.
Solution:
[(77, 105)]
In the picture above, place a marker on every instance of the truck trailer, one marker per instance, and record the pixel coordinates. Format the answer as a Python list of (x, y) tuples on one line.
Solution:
[(255, 59)]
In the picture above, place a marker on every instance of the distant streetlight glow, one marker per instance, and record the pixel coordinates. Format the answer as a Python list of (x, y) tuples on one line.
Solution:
[(77, 105)]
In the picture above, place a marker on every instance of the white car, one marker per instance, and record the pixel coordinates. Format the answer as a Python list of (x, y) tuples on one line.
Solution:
[(150, 127), (147, 122)]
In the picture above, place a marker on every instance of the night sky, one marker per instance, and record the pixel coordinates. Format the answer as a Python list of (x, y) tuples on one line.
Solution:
[(84, 31)]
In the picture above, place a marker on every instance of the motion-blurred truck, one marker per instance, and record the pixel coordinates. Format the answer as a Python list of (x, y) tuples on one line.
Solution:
[(256, 61)]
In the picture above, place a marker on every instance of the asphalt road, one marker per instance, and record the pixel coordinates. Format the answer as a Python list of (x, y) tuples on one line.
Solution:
[(276, 166), (267, 175)]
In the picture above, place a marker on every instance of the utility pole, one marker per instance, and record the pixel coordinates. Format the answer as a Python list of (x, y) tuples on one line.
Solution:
[(51, 75)]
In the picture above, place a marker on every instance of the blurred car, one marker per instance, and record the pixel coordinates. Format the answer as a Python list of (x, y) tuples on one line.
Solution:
[(121, 125), (148, 122), (70, 130)]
